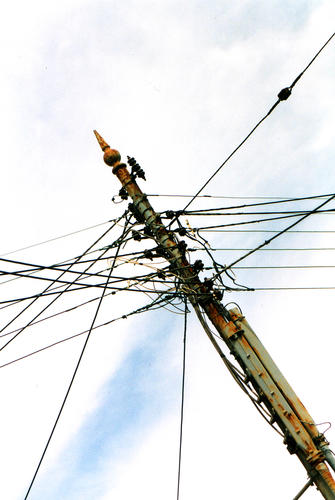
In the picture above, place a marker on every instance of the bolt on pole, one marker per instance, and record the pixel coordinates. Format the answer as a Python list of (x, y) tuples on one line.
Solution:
[(261, 373)]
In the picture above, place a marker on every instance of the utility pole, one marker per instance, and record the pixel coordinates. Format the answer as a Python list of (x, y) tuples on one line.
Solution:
[(260, 372)]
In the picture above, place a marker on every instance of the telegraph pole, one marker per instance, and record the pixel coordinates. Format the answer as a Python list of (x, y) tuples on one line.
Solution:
[(260, 372)]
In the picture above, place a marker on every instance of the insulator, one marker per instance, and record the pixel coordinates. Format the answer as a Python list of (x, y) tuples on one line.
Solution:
[(147, 231), (182, 231), (198, 266), (218, 294), (182, 246), (136, 235), (284, 94), (141, 174), (123, 194), (131, 161), (136, 213), (160, 252), (208, 283), (148, 254)]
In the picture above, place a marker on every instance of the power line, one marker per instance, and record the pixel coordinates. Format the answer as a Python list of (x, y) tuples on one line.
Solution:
[(283, 267), (153, 305), (266, 242), (182, 399), (75, 370), (259, 231), (222, 197), (36, 297), (55, 238), (209, 213), (255, 221), (259, 289), (287, 200), (282, 96), (263, 249)]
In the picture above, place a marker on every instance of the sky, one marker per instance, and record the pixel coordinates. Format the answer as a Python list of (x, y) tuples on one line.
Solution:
[(178, 86)]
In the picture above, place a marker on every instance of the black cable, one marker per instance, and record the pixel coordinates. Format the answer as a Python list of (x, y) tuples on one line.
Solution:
[(256, 221), (221, 197), (182, 399), (37, 296), (283, 267), (263, 249), (75, 371), (260, 231), (282, 96), (288, 288), (208, 213), (49, 286), (266, 242), (148, 307), (56, 238), (287, 200), (117, 289), (64, 311)]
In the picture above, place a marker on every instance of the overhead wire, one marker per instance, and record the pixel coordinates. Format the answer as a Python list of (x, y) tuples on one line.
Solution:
[(155, 304), (266, 242), (181, 425), (262, 231), (233, 249), (287, 200), (44, 293), (282, 96), (74, 374), (55, 238), (235, 372)]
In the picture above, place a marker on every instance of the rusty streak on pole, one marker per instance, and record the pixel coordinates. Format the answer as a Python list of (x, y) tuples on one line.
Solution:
[(301, 435)]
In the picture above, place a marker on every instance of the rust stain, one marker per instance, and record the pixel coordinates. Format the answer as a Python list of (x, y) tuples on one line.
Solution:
[(325, 473), (111, 156)]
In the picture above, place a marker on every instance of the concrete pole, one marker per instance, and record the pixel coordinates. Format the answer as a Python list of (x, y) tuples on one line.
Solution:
[(301, 435)]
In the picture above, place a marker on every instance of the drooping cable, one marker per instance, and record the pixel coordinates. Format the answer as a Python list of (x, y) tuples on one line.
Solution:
[(266, 242), (282, 96), (155, 304), (50, 285), (54, 239), (182, 399), (75, 370)]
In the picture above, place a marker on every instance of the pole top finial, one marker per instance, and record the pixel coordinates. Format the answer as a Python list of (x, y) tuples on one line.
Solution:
[(111, 156)]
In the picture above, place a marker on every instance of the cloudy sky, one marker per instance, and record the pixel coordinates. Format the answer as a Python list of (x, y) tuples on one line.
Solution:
[(177, 85)]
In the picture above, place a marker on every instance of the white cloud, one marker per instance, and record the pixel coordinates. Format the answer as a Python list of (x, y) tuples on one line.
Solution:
[(178, 86)]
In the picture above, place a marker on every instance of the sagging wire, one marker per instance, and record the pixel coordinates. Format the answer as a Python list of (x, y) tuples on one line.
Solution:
[(208, 211), (59, 294), (242, 223), (81, 276), (155, 304), (237, 375), (266, 242), (181, 426), (55, 238), (64, 311), (283, 95), (74, 374)]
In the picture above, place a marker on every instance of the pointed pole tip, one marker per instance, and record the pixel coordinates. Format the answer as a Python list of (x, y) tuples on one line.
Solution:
[(102, 143)]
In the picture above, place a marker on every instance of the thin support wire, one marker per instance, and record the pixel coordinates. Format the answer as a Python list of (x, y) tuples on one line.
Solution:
[(182, 399), (75, 370)]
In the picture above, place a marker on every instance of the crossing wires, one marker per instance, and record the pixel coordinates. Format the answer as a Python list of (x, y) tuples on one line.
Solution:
[(283, 95)]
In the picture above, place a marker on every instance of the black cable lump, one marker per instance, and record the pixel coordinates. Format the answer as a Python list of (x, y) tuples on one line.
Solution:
[(283, 95)]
